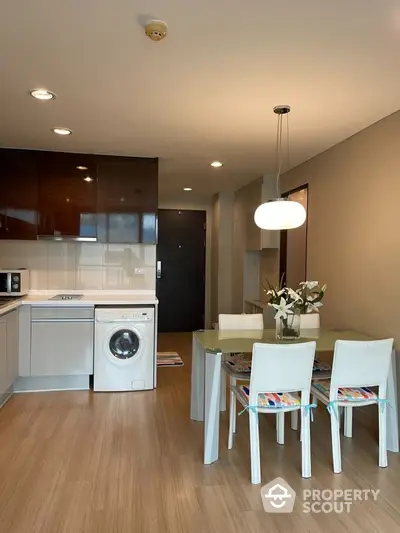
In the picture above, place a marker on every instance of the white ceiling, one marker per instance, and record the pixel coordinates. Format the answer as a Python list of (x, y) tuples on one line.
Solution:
[(206, 92)]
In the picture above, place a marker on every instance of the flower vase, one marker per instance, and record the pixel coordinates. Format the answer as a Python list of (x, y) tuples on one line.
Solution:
[(288, 328), (309, 321)]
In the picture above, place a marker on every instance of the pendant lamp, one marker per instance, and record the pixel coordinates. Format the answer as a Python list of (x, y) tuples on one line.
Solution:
[(280, 213)]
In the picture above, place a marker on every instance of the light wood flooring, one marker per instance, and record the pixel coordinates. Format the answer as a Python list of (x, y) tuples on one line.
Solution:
[(79, 462)]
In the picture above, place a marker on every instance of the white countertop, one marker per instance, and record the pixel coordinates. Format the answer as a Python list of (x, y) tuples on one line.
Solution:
[(90, 298)]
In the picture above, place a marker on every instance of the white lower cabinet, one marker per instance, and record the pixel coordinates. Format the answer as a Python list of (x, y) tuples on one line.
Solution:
[(61, 341), (3, 360), (8, 353), (12, 346)]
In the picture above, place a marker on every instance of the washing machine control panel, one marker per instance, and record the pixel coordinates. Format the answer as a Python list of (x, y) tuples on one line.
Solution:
[(137, 316)]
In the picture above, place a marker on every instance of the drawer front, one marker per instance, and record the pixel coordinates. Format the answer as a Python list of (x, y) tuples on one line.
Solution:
[(61, 348), (62, 312)]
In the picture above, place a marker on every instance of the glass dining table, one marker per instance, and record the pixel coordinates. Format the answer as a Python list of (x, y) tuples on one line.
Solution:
[(208, 349)]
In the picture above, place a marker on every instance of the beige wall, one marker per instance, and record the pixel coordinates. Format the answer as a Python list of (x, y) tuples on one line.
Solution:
[(297, 246), (83, 266), (214, 259), (221, 255), (353, 236)]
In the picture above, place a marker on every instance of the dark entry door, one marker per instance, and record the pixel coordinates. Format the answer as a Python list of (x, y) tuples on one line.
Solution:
[(181, 270)]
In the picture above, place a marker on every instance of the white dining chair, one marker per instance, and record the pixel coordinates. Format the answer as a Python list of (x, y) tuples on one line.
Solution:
[(357, 366), (279, 373), (236, 366)]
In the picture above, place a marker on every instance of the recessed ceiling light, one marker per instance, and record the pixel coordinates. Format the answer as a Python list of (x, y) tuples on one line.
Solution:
[(62, 131), (187, 189), (81, 167), (216, 164), (88, 178), (42, 94)]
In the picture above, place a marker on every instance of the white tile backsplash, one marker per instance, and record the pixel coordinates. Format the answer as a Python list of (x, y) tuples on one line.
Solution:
[(83, 266)]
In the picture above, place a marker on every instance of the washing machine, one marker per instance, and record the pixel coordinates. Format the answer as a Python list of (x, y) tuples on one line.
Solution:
[(124, 354)]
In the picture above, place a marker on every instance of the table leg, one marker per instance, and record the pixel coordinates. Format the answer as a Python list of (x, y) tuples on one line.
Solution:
[(212, 389), (392, 410), (294, 420), (197, 382), (222, 403)]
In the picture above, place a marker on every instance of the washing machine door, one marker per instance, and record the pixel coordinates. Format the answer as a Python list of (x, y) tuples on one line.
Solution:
[(124, 344)]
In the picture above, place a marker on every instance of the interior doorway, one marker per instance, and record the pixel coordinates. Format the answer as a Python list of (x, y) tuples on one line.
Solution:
[(181, 253), (293, 250)]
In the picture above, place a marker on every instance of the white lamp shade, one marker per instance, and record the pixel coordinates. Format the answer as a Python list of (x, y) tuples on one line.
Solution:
[(280, 214)]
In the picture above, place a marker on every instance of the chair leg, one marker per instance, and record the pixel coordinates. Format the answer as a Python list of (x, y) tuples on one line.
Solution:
[(305, 445), (340, 410), (294, 421), (383, 462), (232, 417), (348, 422), (222, 395), (314, 401), (335, 434), (280, 428), (255, 460), (232, 382)]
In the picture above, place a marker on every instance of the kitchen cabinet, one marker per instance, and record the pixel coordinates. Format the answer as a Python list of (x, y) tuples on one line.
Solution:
[(127, 199), (3, 361), (86, 197), (12, 346), (8, 353), (62, 341), (19, 194), (67, 195)]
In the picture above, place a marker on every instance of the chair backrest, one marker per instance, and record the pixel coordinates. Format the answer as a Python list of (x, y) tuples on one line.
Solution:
[(243, 321), (361, 363), (281, 368)]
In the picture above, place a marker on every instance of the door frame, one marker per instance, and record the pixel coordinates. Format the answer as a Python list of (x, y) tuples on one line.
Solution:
[(283, 240)]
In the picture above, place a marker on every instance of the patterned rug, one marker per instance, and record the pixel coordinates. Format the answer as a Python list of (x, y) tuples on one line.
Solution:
[(169, 359)]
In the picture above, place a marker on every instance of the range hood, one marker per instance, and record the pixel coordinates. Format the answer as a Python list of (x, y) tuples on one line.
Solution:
[(66, 238)]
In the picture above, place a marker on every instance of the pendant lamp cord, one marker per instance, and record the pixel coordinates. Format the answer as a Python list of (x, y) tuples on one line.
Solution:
[(279, 154)]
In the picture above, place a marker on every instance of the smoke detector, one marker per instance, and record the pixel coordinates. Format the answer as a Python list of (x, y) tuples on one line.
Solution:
[(156, 30)]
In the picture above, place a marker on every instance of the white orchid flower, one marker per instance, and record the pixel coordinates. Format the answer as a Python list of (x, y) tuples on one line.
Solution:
[(323, 288), (314, 306), (293, 294), (282, 308), (309, 284)]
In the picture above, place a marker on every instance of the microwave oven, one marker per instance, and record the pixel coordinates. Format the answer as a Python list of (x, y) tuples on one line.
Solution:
[(14, 282)]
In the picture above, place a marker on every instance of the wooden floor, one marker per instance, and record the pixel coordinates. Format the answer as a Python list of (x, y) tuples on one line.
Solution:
[(78, 462)]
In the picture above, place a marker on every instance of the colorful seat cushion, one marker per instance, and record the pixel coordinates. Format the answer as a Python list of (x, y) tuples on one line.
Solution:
[(346, 394), (238, 364), (320, 366), (271, 399)]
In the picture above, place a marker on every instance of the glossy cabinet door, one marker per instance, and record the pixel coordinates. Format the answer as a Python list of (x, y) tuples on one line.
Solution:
[(67, 195), (18, 194), (127, 199)]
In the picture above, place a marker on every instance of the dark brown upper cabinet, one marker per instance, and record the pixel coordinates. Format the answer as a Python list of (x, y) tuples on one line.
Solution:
[(18, 194), (127, 199), (67, 195)]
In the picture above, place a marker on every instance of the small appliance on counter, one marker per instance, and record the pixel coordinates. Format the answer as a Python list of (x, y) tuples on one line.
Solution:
[(14, 282)]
